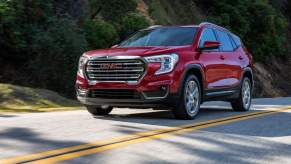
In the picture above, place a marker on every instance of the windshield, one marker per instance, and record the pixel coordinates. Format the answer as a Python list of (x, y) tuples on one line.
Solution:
[(164, 36)]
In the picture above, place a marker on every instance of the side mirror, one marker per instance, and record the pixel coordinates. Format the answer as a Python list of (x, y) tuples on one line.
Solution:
[(114, 46), (210, 45)]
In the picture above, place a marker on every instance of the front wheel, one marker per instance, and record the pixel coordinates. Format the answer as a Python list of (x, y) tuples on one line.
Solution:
[(99, 111), (243, 103), (189, 104)]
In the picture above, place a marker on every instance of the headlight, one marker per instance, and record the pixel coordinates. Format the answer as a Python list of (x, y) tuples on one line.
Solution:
[(168, 62), (82, 62)]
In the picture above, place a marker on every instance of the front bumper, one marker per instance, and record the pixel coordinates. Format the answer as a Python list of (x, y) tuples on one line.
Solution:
[(168, 101), (129, 98)]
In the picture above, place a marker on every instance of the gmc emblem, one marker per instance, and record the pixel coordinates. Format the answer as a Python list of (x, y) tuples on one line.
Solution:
[(111, 66)]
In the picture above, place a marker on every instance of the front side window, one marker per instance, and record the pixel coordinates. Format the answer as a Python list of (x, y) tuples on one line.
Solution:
[(226, 44), (207, 35), (163, 36)]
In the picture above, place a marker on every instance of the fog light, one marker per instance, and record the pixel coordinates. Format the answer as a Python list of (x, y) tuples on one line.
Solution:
[(82, 92), (163, 88), (159, 93)]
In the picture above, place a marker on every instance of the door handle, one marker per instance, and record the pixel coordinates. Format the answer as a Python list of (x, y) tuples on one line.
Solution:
[(240, 58), (222, 57)]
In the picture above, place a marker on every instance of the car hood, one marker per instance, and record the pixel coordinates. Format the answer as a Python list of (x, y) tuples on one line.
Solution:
[(133, 51)]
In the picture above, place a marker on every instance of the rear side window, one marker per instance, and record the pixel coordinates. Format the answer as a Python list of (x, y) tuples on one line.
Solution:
[(236, 40), (226, 44), (232, 42), (207, 35)]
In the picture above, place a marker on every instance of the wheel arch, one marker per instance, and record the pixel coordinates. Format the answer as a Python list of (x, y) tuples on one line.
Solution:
[(193, 69), (248, 72)]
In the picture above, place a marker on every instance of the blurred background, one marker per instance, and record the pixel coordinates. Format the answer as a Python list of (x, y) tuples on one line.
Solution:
[(41, 40)]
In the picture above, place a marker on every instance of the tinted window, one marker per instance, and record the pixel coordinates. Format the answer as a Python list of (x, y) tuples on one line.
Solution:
[(164, 36), (207, 35), (236, 40), (226, 44), (232, 42)]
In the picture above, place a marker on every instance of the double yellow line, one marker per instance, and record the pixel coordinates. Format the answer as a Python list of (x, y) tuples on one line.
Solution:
[(100, 146)]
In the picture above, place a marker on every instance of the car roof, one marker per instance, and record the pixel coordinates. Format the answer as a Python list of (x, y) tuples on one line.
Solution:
[(160, 26), (201, 25)]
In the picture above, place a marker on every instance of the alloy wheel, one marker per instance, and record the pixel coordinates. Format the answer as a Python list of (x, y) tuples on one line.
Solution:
[(192, 97)]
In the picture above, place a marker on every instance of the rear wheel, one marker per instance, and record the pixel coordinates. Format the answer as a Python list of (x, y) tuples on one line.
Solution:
[(243, 103), (99, 111), (189, 104)]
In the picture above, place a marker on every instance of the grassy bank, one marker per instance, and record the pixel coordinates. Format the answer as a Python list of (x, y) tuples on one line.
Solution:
[(24, 99)]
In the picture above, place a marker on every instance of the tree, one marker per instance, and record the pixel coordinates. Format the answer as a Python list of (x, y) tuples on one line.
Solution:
[(112, 10), (132, 23), (100, 34), (262, 28)]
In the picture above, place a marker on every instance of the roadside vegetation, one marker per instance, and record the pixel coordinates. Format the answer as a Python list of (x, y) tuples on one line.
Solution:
[(15, 98), (41, 40)]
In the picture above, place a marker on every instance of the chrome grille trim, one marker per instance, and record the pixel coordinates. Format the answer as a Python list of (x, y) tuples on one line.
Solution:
[(129, 69), (126, 62), (98, 70)]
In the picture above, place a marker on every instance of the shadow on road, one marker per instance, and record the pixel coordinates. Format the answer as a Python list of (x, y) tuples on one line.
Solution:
[(224, 148), (25, 141), (274, 125), (7, 115), (165, 117)]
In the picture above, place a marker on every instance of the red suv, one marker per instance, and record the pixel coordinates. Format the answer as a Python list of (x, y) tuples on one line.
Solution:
[(178, 67)]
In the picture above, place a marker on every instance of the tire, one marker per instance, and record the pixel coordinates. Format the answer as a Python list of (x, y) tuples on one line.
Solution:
[(99, 111), (189, 103), (243, 103)]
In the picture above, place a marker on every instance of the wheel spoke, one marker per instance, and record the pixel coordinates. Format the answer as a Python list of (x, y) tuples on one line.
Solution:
[(192, 97), (246, 94)]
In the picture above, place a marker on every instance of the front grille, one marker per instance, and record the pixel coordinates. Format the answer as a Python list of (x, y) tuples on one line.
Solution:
[(115, 69), (114, 94)]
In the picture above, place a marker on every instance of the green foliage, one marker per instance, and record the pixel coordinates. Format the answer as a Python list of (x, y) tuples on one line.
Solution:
[(43, 48), (57, 52), (112, 10), (132, 23), (20, 19), (262, 28), (166, 12), (41, 40), (100, 34), (159, 14)]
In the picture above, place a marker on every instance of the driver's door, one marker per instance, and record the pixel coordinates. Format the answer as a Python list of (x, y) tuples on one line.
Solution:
[(212, 61)]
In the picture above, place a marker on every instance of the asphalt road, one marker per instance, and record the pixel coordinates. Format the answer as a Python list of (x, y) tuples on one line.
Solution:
[(217, 135)]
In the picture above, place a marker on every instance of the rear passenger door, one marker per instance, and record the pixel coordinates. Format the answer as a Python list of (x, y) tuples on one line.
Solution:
[(229, 58)]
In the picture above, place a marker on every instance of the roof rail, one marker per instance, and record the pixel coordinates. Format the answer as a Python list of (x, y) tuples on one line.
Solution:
[(212, 24), (207, 23), (154, 26)]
